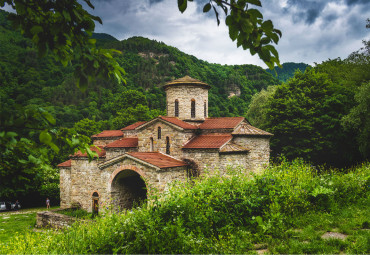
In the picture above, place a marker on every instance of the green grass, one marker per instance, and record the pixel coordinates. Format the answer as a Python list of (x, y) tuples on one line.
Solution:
[(286, 209), (78, 213), (15, 223), (305, 237)]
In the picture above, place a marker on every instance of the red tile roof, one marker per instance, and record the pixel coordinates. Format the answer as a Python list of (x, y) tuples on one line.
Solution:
[(246, 129), (124, 143), (157, 159), (208, 141), (101, 152), (176, 121), (67, 163), (109, 133), (221, 123), (133, 126)]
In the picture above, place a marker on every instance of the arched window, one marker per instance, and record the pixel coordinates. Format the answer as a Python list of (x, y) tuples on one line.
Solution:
[(151, 144), (176, 108), (193, 108), (159, 133), (167, 145), (205, 109), (95, 203)]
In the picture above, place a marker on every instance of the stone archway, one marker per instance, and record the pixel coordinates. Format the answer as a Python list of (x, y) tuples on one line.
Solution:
[(128, 189)]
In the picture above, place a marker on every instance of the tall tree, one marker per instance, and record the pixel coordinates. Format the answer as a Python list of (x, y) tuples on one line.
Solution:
[(305, 115)]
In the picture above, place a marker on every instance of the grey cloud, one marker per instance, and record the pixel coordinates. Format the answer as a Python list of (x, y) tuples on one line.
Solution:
[(327, 19), (305, 10), (353, 2), (313, 30)]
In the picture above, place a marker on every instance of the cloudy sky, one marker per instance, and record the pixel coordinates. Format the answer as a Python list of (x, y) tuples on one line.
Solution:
[(313, 30)]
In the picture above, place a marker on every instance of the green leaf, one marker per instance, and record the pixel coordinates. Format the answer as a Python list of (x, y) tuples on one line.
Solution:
[(255, 2), (218, 20), (48, 117), (233, 32), (45, 137), (272, 50), (267, 25), (36, 29), (207, 7), (92, 41), (54, 147), (255, 13), (182, 4), (89, 4)]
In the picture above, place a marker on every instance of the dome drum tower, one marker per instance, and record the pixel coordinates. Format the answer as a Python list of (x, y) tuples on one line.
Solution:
[(187, 99)]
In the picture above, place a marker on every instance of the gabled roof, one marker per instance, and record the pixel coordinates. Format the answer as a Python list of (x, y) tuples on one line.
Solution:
[(157, 159), (133, 126), (129, 142), (174, 121), (233, 148), (108, 133), (101, 152), (214, 141), (67, 163), (221, 123), (248, 130), (186, 80)]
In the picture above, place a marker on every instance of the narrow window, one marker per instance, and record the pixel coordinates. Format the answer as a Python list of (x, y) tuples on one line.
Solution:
[(176, 108), (167, 145), (205, 109), (95, 203), (151, 144), (159, 133), (193, 108)]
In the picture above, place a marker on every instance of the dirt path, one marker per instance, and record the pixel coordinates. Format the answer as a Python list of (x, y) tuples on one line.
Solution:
[(22, 211)]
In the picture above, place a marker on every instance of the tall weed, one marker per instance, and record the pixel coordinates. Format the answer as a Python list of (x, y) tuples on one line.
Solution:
[(211, 214)]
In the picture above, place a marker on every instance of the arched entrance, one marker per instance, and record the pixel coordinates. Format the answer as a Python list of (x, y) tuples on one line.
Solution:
[(128, 190)]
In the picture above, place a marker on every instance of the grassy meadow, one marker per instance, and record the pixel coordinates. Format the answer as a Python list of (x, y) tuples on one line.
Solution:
[(292, 207), (15, 223)]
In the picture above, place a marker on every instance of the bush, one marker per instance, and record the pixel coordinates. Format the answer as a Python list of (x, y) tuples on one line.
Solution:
[(211, 214), (77, 212)]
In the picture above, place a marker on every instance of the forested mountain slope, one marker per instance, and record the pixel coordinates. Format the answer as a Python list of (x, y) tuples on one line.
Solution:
[(29, 80), (287, 71)]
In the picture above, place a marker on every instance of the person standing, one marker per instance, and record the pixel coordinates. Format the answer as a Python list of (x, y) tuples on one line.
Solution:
[(47, 203), (16, 206)]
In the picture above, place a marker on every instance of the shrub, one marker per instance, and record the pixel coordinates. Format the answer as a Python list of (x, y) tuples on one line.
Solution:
[(210, 214)]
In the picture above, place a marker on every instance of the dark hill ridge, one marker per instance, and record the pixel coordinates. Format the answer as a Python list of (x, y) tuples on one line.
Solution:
[(287, 71), (103, 36), (26, 79)]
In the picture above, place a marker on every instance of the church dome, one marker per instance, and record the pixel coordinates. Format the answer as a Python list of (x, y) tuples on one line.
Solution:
[(186, 80)]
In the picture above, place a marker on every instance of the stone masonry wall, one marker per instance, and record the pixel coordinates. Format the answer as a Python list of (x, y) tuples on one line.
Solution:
[(52, 219), (65, 187), (235, 160), (154, 179), (211, 160), (114, 152), (205, 158), (85, 180), (129, 133), (185, 94), (259, 154), (177, 139)]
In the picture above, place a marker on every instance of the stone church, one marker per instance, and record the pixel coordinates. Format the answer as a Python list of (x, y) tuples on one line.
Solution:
[(147, 155)]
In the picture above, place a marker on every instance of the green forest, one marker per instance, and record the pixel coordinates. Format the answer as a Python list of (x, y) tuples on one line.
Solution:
[(320, 113)]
